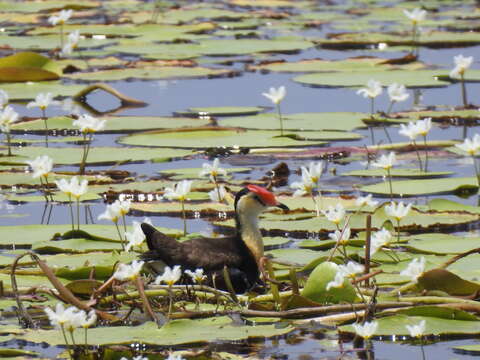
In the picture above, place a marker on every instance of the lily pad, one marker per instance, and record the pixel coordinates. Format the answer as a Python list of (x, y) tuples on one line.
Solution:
[(401, 173), (213, 137), (175, 332), (424, 186), (221, 111), (442, 244), (28, 66)]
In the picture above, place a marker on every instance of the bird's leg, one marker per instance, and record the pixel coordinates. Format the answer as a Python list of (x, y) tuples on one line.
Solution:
[(262, 267)]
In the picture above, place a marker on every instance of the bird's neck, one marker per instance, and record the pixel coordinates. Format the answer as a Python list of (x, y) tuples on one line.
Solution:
[(247, 225)]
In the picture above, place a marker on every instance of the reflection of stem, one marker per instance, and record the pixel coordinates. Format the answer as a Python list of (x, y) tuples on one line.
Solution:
[(46, 188), (464, 90), (390, 183), (9, 138), (421, 347), (372, 134), (71, 208), (184, 219), (43, 189), (418, 154), (426, 152), (372, 106), (280, 119), (44, 117), (476, 169), (390, 106)]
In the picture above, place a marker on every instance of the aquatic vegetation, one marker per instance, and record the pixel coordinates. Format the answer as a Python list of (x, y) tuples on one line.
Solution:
[(8, 117), (371, 91), (41, 167), (179, 192), (60, 19), (276, 96), (88, 125)]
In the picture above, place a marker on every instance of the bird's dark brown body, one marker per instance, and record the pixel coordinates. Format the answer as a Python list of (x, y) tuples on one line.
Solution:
[(240, 253)]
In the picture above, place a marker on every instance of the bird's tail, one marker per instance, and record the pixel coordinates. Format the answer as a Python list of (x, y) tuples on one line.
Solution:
[(158, 243)]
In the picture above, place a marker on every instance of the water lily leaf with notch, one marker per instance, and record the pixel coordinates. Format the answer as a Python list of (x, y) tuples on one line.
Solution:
[(345, 65), (407, 146), (339, 121), (297, 257), (467, 268), (444, 280), (221, 111), (441, 244), (147, 73), (402, 173), (411, 79), (28, 281), (28, 66), (316, 286), (449, 205), (193, 173), (115, 124), (446, 115), (97, 155), (395, 325), (424, 186), (212, 137), (44, 42), (175, 332), (438, 312), (74, 246)]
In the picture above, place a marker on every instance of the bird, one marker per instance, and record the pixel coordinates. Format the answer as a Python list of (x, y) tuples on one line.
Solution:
[(241, 253)]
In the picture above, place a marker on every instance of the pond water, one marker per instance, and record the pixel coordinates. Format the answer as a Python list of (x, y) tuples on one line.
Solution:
[(166, 97)]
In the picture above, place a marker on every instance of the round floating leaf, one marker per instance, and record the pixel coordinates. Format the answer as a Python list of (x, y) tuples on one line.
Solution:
[(341, 121), (448, 205), (28, 90), (442, 243), (316, 286), (411, 79), (407, 173), (444, 280), (213, 137), (424, 186), (193, 173), (221, 111), (175, 332)]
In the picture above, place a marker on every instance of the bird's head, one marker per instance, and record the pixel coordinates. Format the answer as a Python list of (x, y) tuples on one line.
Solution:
[(255, 199)]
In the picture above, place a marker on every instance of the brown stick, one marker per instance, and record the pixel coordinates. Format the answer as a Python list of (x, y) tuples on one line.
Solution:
[(126, 100), (146, 304)]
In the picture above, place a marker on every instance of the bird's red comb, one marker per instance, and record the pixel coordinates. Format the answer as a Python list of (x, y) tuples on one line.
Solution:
[(267, 197)]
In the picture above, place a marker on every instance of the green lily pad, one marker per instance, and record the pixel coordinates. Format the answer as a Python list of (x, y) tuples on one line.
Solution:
[(401, 173), (149, 73), (441, 244), (193, 173), (444, 280), (340, 121), (115, 124), (28, 66), (28, 90), (212, 137), (316, 286), (175, 332), (221, 111), (411, 79), (97, 155), (424, 186), (448, 205)]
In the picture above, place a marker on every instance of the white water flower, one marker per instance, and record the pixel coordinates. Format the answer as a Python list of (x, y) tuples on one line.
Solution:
[(414, 269), (397, 211), (314, 171), (41, 166), (386, 161), (366, 201), (123, 206), (89, 124), (276, 95), (3, 98), (42, 101), (69, 319), (379, 238), (135, 237), (351, 269), (417, 330), (197, 276), (341, 237), (174, 357), (424, 126), (213, 195), (61, 18), (397, 92), (471, 147), (213, 170), (416, 15), (170, 275), (179, 191), (411, 130), (337, 282), (382, 46), (366, 330), (128, 272), (462, 63), (73, 187), (305, 186), (335, 214), (372, 90), (89, 319), (8, 116)]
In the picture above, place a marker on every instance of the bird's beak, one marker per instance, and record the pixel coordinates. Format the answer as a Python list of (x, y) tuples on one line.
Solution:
[(282, 206)]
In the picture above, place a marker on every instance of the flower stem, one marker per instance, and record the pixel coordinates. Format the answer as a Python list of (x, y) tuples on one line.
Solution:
[(61, 36), (43, 189), (66, 341), (464, 90), (418, 154), (9, 138), (78, 213), (184, 219), (217, 188), (372, 106), (398, 230), (426, 152), (44, 117), (280, 119), (170, 302), (390, 107), (316, 204), (119, 234), (390, 183), (476, 169), (86, 339), (71, 210)]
